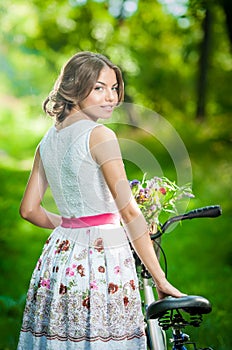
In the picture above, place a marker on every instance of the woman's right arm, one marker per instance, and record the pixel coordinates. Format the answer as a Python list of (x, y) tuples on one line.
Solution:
[(31, 208), (105, 150)]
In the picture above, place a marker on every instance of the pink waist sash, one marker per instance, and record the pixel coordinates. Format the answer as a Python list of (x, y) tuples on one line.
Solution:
[(86, 221)]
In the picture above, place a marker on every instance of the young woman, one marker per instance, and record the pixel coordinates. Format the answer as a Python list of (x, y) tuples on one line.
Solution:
[(84, 290)]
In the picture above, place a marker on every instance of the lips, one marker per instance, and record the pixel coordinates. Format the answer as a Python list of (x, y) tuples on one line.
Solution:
[(108, 108)]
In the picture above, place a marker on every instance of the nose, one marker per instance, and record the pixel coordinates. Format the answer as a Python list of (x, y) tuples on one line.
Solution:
[(110, 95)]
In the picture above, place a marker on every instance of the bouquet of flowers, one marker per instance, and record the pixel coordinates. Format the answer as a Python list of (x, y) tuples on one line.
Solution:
[(157, 196)]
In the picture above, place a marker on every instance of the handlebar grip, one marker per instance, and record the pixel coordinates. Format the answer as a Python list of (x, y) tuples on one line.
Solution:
[(207, 212)]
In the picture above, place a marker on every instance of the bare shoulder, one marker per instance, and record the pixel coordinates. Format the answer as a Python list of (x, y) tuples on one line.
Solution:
[(104, 145), (101, 134), (37, 156)]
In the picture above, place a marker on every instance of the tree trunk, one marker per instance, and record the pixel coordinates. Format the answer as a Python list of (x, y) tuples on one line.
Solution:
[(227, 7), (203, 66)]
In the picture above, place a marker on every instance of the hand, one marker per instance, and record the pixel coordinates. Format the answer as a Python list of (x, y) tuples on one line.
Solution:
[(164, 289)]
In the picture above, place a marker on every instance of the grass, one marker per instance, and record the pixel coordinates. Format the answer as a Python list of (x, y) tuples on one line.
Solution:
[(198, 251)]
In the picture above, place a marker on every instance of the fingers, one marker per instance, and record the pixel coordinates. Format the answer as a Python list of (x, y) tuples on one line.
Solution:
[(166, 289)]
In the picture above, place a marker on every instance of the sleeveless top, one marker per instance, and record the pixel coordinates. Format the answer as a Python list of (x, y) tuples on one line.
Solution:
[(76, 180)]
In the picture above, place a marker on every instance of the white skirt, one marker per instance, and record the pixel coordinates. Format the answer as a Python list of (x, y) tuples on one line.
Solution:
[(84, 293)]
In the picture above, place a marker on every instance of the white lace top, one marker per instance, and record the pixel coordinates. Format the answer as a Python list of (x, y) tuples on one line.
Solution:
[(75, 179)]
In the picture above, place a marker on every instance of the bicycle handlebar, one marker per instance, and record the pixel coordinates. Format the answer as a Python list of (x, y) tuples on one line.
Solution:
[(212, 211)]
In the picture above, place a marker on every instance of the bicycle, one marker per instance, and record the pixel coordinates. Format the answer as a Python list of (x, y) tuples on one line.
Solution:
[(172, 313)]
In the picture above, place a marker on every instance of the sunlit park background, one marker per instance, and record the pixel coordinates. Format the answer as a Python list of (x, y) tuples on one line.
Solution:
[(176, 58)]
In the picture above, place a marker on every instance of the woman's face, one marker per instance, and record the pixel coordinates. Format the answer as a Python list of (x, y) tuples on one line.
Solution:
[(103, 98)]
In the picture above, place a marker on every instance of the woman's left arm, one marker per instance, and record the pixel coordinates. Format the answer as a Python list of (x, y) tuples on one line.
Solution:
[(31, 208)]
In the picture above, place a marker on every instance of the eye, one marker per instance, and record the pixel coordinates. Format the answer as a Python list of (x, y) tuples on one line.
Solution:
[(98, 88), (115, 88)]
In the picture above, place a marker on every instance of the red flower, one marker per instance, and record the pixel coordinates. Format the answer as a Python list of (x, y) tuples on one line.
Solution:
[(98, 244), (63, 246), (101, 269), (86, 302), (112, 288), (132, 284), (63, 289), (48, 240), (162, 190), (81, 270), (126, 301)]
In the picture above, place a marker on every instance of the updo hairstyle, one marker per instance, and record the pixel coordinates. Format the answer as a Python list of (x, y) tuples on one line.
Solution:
[(75, 82)]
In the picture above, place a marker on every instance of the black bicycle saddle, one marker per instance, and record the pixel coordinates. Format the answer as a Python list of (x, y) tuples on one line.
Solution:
[(193, 304)]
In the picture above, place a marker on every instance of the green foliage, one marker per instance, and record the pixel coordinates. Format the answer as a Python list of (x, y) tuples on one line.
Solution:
[(158, 197), (159, 57), (159, 54)]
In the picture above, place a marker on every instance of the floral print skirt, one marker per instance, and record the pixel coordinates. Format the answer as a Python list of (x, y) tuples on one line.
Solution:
[(84, 293)]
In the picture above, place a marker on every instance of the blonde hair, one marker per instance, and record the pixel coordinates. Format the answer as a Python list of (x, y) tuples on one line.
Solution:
[(76, 81)]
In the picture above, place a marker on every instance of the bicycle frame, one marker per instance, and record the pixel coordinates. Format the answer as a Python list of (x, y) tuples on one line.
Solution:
[(156, 336)]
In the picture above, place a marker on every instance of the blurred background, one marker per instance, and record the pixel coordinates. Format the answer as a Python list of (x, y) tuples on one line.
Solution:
[(176, 57)]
